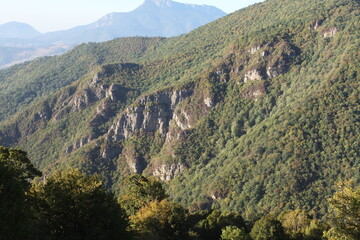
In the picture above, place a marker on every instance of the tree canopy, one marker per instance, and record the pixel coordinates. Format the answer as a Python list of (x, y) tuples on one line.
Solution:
[(345, 205), (71, 205), (16, 172)]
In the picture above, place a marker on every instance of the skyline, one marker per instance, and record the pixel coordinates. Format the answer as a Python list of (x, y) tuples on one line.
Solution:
[(55, 15)]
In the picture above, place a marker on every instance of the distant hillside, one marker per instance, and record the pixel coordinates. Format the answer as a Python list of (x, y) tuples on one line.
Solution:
[(18, 30), (256, 112), (154, 18)]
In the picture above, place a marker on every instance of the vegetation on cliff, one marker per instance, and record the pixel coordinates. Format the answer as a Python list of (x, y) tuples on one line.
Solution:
[(256, 113)]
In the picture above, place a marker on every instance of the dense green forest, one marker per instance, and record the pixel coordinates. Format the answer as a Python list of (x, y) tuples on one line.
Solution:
[(71, 205), (255, 115)]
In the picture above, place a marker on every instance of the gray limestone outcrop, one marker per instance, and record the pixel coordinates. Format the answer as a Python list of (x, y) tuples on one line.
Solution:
[(151, 113)]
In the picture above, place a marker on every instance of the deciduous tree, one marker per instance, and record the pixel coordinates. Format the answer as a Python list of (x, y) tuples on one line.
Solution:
[(70, 205), (345, 205), (16, 172), (162, 220)]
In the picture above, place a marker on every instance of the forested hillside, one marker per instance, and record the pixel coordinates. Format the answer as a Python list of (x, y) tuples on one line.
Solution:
[(71, 205), (257, 112)]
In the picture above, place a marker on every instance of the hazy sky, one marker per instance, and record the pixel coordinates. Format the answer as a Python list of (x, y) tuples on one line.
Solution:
[(52, 15)]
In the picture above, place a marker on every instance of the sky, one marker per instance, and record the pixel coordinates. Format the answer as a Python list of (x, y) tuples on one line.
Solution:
[(54, 15)]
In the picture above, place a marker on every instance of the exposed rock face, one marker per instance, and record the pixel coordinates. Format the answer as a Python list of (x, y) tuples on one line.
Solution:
[(265, 53), (283, 61), (91, 95), (79, 143), (331, 32), (83, 100), (208, 102), (253, 75), (110, 152), (254, 92), (136, 165), (276, 70), (103, 113), (152, 113), (174, 134), (43, 115), (316, 24), (94, 94), (182, 119), (114, 92), (167, 172), (254, 49), (135, 161)]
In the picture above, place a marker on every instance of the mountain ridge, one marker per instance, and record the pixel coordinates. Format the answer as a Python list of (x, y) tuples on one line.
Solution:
[(239, 114), (158, 13), (18, 30)]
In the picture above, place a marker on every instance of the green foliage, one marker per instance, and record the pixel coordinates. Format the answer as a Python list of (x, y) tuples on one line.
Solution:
[(267, 228), (139, 191), (234, 233), (299, 225), (276, 142), (212, 225), (16, 172), (345, 206), (70, 205), (163, 220), (25, 83)]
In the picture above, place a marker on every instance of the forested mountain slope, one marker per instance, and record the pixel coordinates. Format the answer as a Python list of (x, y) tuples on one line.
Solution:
[(255, 112)]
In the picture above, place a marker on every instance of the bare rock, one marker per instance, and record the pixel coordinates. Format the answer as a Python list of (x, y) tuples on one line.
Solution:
[(208, 102), (78, 144), (182, 120), (82, 100), (254, 92), (174, 134), (329, 33), (136, 163), (253, 75), (276, 70), (150, 114), (254, 49), (167, 172), (316, 24)]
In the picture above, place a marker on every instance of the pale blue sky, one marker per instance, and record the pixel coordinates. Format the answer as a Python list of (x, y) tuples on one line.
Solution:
[(52, 15)]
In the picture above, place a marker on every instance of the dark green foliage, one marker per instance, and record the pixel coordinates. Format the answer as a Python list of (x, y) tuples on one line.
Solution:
[(212, 225), (272, 121), (71, 205), (74, 206), (16, 172), (267, 228), (140, 191)]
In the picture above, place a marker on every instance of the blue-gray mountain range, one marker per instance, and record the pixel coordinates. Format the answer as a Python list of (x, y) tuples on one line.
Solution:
[(20, 42)]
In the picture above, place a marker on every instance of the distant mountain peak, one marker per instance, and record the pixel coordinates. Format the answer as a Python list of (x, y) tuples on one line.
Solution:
[(17, 30), (159, 3)]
